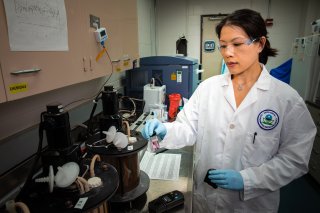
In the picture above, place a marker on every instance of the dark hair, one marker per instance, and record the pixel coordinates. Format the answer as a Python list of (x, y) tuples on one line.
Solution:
[(253, 24)]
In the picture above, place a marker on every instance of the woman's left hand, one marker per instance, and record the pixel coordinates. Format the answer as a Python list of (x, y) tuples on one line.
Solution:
[(227, 179)]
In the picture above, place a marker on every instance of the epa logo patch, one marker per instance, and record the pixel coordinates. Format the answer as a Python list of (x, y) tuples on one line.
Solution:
[(268, 119)]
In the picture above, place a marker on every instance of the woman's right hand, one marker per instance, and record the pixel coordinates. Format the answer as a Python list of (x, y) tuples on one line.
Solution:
[(154, 127)]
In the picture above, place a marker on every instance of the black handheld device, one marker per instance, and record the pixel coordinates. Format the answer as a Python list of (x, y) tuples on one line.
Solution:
[(166, 202), (208, 181)]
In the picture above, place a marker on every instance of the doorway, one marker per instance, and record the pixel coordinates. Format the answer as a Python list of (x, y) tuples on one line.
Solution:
[(210, 57)]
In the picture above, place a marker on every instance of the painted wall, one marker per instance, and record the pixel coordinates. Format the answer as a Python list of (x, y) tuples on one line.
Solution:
[(182, 17), (146, 27)]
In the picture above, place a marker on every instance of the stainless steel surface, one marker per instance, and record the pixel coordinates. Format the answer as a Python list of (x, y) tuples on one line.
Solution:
[(183, 184)]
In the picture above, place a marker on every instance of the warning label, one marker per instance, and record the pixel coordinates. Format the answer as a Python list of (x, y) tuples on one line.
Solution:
[(16, 88)]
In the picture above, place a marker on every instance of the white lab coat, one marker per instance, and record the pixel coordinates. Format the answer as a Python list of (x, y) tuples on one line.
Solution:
[(223, 137)]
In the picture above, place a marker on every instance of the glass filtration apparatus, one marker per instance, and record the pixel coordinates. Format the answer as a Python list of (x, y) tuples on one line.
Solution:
[(132, 182), (60, 147), (66, 170)]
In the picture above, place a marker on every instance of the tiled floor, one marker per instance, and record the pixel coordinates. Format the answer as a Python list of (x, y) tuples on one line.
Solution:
[(300, 196)]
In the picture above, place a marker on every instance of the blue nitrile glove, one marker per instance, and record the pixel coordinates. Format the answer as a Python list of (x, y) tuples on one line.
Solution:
[(151, 126), (227, 179)]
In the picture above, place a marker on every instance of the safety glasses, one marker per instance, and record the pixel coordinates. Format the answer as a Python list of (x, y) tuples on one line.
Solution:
[(236, 45)]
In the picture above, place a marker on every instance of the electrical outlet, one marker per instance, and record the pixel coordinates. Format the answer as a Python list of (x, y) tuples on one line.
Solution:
[(94, 19)]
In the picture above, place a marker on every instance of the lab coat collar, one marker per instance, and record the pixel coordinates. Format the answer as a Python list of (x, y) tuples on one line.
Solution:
[(262, 83), (264, 79), (226, 78), (226, 83)]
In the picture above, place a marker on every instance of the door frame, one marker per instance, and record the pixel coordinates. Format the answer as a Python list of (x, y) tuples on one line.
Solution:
[(201, 28)]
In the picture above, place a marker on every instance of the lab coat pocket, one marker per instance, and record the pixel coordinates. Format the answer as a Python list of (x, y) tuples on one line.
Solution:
[(258, 149)]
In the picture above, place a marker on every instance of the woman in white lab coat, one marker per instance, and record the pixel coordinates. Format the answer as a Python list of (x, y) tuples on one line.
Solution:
[(254, 130)]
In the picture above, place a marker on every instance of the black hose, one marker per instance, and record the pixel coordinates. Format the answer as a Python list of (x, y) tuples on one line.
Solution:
[(95, 102)]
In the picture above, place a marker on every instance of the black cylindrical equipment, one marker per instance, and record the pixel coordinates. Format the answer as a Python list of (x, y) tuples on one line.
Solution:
[(57, 127), (110, 102), (110, 105)]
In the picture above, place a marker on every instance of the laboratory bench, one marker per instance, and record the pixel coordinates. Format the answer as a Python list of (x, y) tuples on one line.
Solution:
[(160, 187), (183, 184)]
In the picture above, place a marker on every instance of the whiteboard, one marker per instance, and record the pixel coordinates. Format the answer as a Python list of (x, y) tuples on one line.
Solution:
[(36, 25)]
